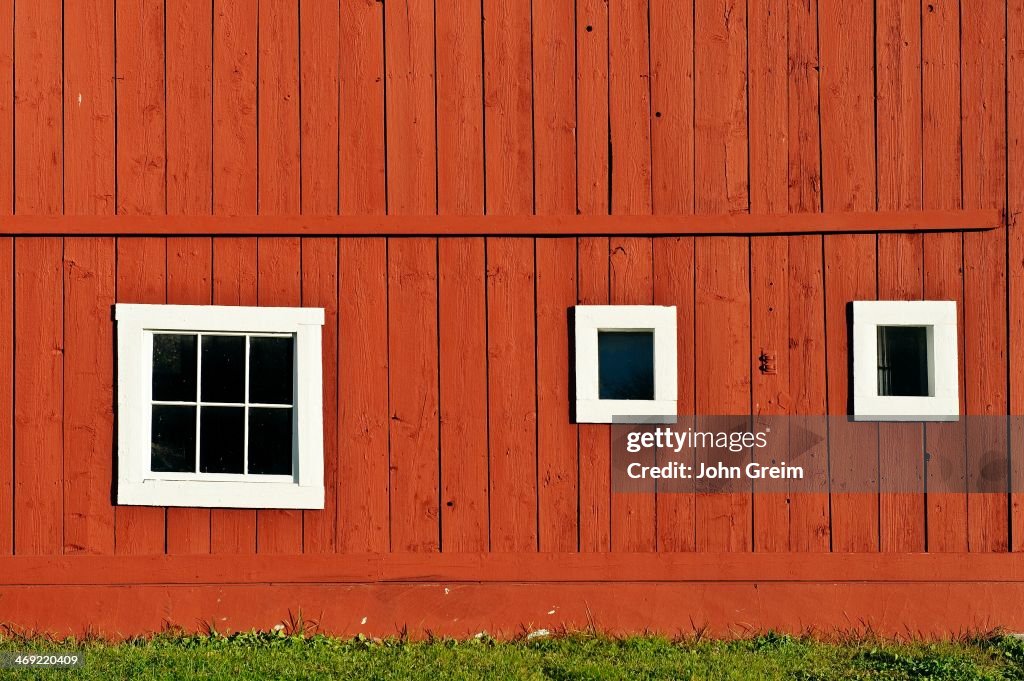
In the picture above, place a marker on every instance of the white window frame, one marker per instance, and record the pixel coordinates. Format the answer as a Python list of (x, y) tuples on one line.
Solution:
[(138, 485), (659, 319), (940, 318)]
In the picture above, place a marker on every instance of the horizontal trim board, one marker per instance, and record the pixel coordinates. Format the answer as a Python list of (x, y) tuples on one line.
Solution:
[(740, 224), (508, 610), (511, 568)]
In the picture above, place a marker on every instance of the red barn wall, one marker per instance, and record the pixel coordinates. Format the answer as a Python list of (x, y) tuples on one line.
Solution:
[(446, 394)]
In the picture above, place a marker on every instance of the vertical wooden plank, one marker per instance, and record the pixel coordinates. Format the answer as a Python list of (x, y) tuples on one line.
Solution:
[(89, 108), (462, 316), (279, 175), (234, 283), (7, 394), (900, 256), (320, 289), (141, 278), (555, 172), (38, 385), (189, 63), (508, 115), (141, 144), (38, 155), (411, 143), (720, 115), (722, 286), (89, 384), (512, 404), (983, 111), (460, 154), (279, 283), (89, 279), (234, 107), (7, 109), (1015, 250), (189, 191), (592, 253), (848, 183), (769, 267), (671, 45), (462, 333), (189, 282), (363, 412), (557, 455), (319, 33), (413, 394), (362, 174)]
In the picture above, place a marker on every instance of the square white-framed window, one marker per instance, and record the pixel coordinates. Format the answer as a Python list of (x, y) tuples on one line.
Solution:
[(625, 363), (905, 365), (219, 406)]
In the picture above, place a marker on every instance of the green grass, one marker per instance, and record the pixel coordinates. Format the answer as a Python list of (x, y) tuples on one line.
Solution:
[(769, 656)]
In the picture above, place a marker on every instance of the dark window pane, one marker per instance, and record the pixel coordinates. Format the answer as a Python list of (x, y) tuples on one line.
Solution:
[(270, 441), (625, 362), (270, 370), (223, 369), (903, 361), (174, 367), (173, 446), (221, 439)]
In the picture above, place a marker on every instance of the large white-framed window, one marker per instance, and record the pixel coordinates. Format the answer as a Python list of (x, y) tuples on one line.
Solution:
[(905, 365), (625, 363), (219, 406)]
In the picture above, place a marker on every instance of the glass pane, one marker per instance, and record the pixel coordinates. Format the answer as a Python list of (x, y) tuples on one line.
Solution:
[(173, 444), (270, 370), (174, 367), (270, 441), (221, 439), (903, 361), (223, 369), (625, 362)]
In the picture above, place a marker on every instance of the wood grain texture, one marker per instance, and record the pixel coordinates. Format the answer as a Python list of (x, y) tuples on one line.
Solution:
[(7, 107), (557, 436), (89, 174), (363, 409), (235, 144), (141, 109), (508, 115), (141, 278), (7, 397), (188, 54), (1015, 270), (279, 188), (414, 460), (39, 391), (361, 146), (512, 397), (554, 112), (983, 69), (319, 59), (462, 355), (39, 153)]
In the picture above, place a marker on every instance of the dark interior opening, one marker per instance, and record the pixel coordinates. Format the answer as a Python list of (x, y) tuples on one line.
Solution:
[(903, 361), (625, 365)]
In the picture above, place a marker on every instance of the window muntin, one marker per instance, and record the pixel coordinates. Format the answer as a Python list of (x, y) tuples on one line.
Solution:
[(238, 381)]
